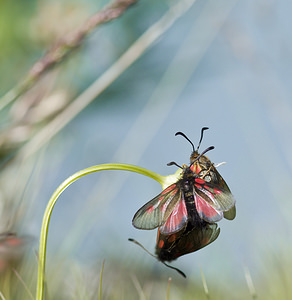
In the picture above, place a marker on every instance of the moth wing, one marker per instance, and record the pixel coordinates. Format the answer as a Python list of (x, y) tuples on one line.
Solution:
[(205, 210), (201, 237), (177, 219), (156, 212), (170, 247), (213, 200), (230, 214), (220, 181)]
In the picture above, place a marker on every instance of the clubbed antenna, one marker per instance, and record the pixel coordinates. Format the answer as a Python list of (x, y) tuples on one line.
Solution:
[(167, 265), (205, 151), (182, 134), (175, 164), (202, 134), (201, 138)]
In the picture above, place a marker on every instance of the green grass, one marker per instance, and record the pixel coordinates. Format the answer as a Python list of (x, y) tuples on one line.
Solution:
[(112, 281)]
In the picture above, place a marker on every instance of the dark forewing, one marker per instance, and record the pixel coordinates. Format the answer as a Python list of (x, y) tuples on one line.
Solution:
[(231, 213), (156, 212), (170, 247), (212, 200)]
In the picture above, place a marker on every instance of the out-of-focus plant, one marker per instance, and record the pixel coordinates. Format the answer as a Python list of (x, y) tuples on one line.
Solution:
[(64, 46)]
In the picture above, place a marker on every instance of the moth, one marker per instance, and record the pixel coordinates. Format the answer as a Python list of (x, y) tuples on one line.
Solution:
[(200, 194), (186, 211)]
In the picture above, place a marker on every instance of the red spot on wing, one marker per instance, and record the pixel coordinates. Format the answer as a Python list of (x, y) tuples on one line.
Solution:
[(168, 189), (160, 244), (173, 192), (177, 218), (206, 211), (150, 209), (198, 169), (216, 191), (171, 238), (200, 180), (205, 241), (160, 198)]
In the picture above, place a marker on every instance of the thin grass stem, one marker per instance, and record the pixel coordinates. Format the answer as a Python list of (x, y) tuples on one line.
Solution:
[(2, 296), (168, 288), (138, 288), (100, 280), (249, 282), (205, 285), (23, 283)]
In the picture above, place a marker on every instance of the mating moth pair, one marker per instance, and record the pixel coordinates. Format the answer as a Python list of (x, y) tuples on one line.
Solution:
[(186, 212)]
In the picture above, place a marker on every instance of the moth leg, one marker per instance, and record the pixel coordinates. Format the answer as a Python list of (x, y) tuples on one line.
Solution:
[(207, 172)]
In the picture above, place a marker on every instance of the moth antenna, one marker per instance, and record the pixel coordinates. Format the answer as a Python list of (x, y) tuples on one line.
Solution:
[(202, 134), (174, 268), (171, 267), (206, 150), (137, 243), (174, 163), (182, 134)]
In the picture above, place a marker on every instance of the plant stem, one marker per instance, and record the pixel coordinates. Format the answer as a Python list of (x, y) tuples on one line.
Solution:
[(132, 54), (63, 47), (47, 215), (100, 281)]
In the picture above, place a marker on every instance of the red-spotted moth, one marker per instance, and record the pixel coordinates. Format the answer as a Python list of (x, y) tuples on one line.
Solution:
[(186, 211)]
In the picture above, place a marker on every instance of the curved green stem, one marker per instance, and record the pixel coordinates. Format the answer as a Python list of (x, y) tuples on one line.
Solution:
[(47, 215)]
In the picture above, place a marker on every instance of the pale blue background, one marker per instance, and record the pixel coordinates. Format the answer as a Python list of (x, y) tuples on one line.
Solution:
[(239, 56)]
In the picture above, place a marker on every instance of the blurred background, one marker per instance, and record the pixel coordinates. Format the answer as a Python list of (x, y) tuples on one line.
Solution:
[(223, 64)]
